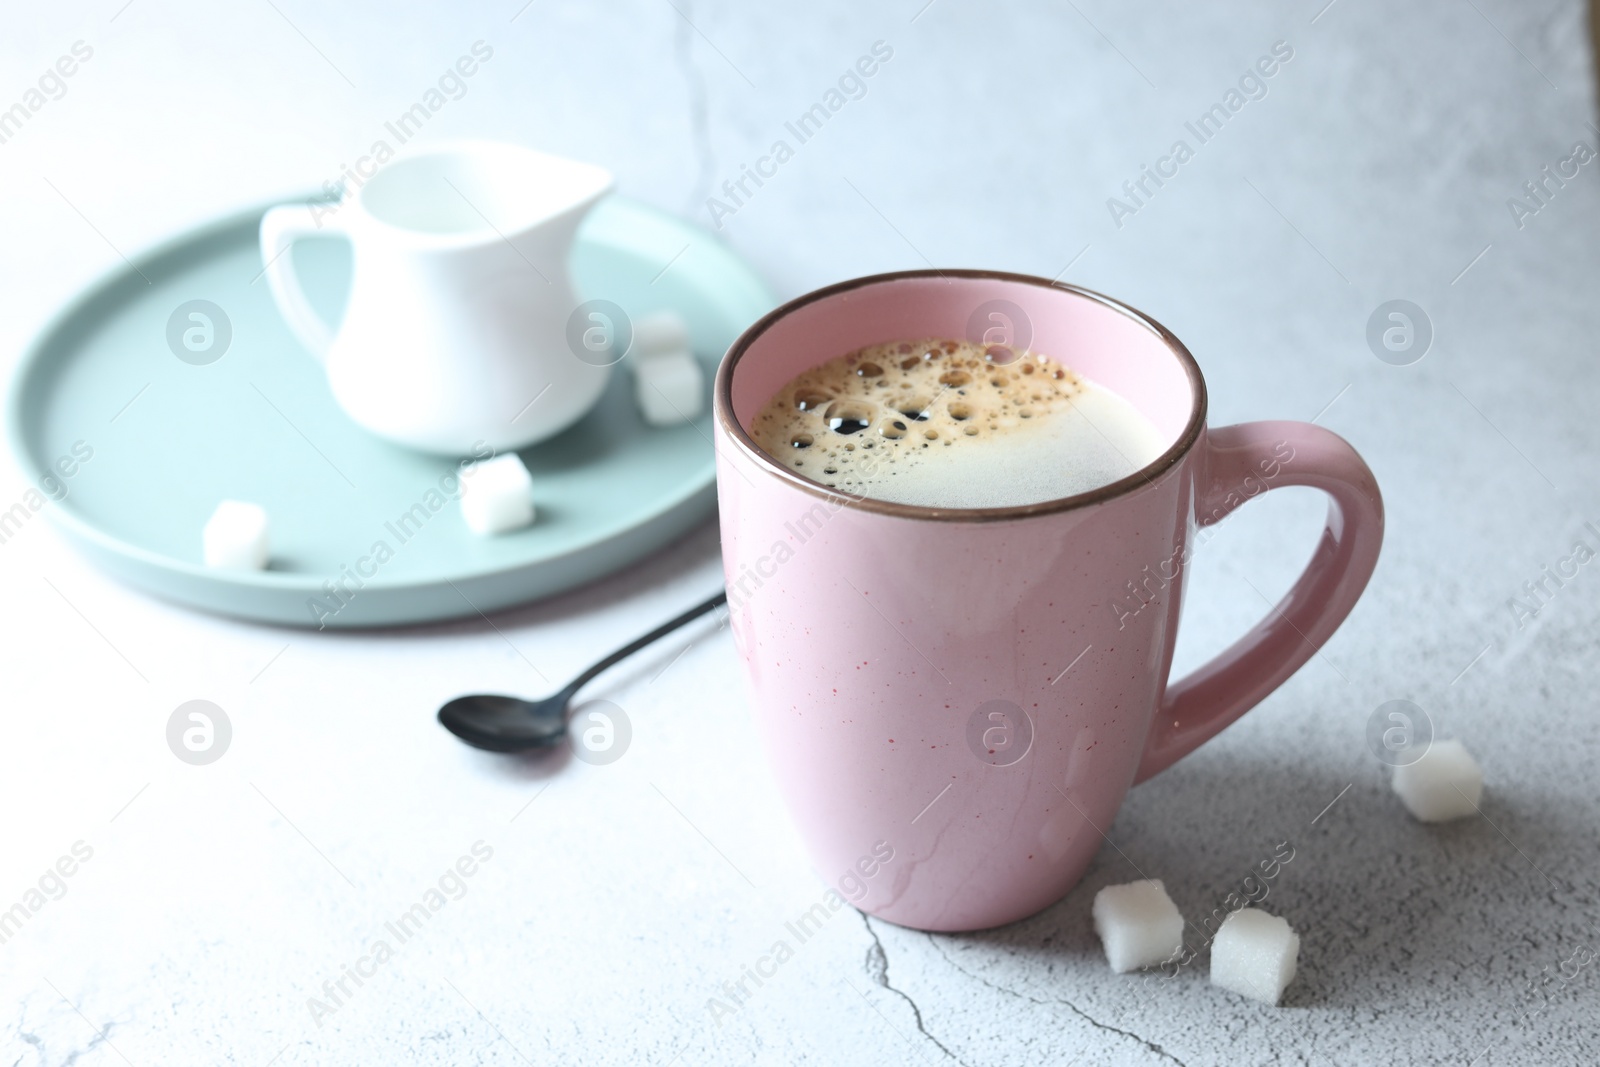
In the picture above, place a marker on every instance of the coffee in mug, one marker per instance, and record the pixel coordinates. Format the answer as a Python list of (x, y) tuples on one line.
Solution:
[(954, 424)]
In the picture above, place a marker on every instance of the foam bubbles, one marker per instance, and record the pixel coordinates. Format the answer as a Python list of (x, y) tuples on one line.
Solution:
[(946, 423)]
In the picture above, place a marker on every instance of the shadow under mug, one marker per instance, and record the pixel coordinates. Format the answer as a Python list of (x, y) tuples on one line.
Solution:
[(971, 692)]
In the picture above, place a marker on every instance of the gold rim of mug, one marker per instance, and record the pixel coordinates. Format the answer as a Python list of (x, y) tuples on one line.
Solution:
[(723, 405)]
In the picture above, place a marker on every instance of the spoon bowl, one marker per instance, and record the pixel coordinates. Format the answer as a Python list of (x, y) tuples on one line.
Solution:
[(506, 724)]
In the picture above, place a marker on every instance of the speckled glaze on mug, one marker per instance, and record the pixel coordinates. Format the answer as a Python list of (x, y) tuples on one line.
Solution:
[(980, 687)]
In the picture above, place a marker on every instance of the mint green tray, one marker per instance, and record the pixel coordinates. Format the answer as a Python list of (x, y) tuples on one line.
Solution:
[(170, 439)]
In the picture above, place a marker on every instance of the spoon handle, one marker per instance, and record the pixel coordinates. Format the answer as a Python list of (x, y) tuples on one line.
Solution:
[(629, 649)]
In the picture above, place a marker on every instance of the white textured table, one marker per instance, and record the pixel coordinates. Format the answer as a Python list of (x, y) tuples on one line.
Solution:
[(618, 900)]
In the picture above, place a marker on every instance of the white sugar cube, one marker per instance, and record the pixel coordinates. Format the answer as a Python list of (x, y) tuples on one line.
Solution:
[(235, 537), (1445, 782), (670, 388), (497, 495), (660, 332), (1138, 924), (1254, 954)]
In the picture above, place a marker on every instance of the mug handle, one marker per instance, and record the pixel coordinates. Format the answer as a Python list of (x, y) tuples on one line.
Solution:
[(281, 227), (1197, 708)]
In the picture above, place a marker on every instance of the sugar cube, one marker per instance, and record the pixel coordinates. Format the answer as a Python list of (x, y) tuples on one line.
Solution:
[(497, 495), (660, 332), (1254, 954), (1138, 924), (1445, 782), (670, 388), (235, 537)]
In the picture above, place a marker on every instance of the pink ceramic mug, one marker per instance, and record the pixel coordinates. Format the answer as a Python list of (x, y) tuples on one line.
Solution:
[(972, 691)]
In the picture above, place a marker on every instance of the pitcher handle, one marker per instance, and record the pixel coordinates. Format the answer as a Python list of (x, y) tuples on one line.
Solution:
[(1269, 455), (281, 227)]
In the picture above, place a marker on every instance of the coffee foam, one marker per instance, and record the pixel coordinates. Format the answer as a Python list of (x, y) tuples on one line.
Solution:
[(954, 424)]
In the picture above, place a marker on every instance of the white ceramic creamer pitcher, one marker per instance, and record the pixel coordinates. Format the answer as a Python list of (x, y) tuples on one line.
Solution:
[(455, 333)]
